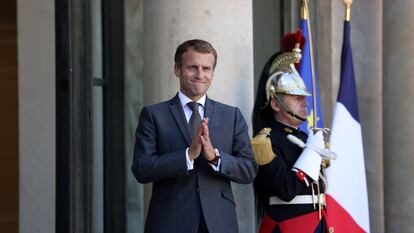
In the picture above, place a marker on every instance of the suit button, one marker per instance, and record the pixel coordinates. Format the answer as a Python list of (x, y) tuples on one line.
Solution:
[(197, 190)]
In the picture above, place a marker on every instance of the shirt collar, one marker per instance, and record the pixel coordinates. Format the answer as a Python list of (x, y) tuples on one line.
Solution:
[(185, 100)]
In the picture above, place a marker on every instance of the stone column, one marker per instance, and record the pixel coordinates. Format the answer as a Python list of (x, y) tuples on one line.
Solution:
[(134, 43), (37, 147), (398, 115), (366, 34), (228, 26)]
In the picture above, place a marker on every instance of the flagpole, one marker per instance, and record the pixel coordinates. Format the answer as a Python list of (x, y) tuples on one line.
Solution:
[(305, 15), (348, 10)]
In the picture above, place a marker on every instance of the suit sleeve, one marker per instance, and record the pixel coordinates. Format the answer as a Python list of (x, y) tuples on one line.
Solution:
[(148, 165), (239, 166)]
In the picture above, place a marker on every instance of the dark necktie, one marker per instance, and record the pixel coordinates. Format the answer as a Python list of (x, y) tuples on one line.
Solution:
[(195, 118)]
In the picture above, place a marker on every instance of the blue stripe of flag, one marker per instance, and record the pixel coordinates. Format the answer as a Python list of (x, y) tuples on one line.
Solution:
[(347, 88)]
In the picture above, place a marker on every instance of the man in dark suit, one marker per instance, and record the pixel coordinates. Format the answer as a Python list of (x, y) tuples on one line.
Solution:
[(190, 148)]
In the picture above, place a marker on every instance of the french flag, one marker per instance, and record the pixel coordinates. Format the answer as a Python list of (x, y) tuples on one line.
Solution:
[(347, 198)]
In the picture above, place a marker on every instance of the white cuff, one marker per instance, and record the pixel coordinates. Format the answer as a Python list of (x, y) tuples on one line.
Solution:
[(190, 164), (309, 162), (216, 168)]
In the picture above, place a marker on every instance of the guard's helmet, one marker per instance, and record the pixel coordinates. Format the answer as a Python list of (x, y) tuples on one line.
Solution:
[(279, 76), (284, 78)]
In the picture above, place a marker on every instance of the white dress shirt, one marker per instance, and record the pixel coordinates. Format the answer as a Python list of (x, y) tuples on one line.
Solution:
[(188, 112)]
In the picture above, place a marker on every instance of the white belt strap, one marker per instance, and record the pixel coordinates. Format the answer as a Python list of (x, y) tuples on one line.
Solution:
[(299, 199)]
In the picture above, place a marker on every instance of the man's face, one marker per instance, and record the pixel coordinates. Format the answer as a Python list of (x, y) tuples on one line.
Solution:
[(195, 73), (297, 104)]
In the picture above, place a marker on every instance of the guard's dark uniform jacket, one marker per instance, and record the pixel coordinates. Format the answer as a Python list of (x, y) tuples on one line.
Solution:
[(278, 179)]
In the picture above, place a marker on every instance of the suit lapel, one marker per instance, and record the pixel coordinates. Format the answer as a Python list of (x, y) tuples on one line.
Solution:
[(178, 114), (210, 109)]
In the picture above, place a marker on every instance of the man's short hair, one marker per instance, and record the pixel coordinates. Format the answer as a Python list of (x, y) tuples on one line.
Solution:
[(197, 45)]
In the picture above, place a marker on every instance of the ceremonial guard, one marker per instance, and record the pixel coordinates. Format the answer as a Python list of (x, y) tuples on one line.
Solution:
[(289, 185)]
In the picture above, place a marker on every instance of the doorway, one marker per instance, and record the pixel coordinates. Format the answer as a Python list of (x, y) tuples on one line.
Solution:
[(8, 119)]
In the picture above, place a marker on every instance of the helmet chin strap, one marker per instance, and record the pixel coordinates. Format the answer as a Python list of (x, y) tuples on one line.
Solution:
[(288, 110)]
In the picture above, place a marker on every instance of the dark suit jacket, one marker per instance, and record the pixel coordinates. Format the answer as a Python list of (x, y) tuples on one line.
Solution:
[(179, 196)]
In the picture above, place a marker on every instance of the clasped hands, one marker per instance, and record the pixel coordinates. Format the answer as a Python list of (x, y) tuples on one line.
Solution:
[(201, 143)]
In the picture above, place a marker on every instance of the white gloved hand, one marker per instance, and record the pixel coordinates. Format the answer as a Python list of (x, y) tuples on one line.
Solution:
[(315, 141), (316, 146), (309, 161)]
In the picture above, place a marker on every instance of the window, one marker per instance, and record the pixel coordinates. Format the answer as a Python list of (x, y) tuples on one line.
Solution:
[(90, 117)]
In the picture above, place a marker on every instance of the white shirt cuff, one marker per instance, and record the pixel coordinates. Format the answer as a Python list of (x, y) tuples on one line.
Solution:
[(190, 164), (216, 168)]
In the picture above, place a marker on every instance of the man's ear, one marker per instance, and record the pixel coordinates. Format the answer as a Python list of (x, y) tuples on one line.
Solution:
[(274, 105), (177, 70)]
